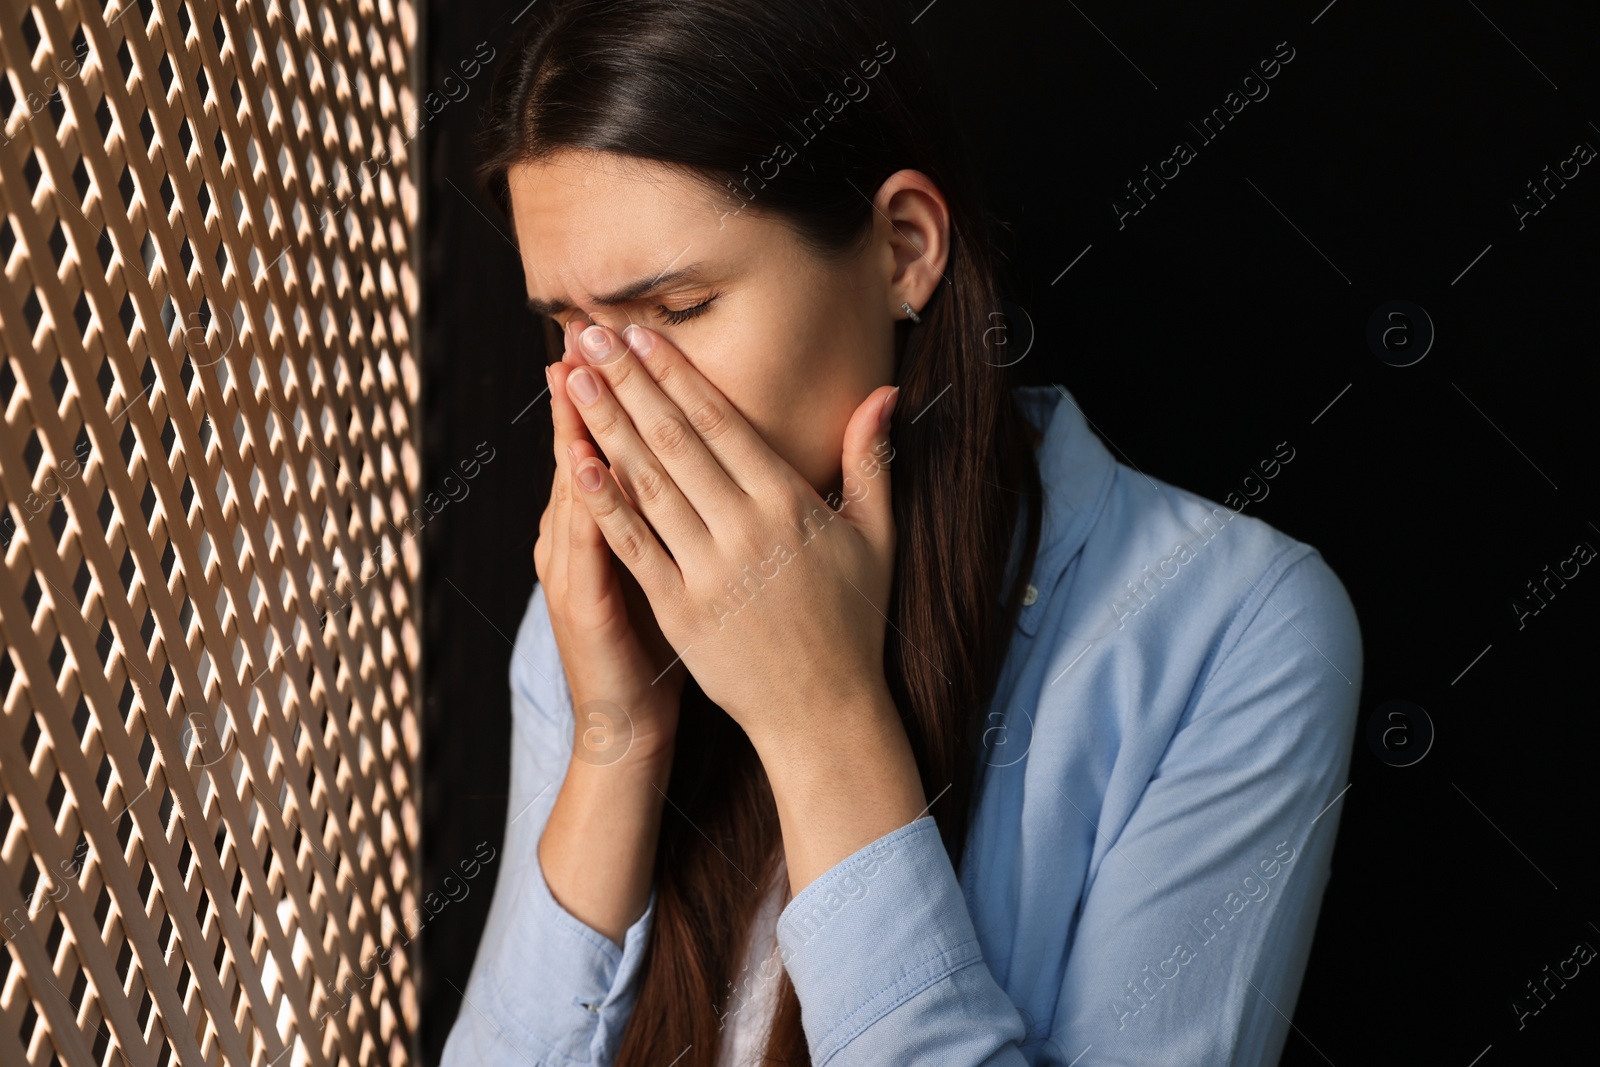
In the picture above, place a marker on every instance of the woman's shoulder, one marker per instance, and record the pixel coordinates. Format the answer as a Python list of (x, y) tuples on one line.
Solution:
[(1146, 587), (1166, 564), (1136, 540)]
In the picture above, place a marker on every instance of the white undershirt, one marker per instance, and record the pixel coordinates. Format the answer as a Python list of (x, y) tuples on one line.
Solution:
[(754, 998)]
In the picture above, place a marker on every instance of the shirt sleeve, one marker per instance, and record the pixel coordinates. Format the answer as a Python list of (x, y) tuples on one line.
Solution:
[(1194, 932), (545, 990), (884, 958)]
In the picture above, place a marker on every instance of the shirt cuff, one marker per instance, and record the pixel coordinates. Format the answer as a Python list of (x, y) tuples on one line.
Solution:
[(875, 930), (560, 988)]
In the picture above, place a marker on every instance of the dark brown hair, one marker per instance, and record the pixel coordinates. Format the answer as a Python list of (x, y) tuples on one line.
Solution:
[(800, 110)]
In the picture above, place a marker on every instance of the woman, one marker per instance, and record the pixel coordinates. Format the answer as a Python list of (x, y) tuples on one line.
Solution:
[(1004, 756)]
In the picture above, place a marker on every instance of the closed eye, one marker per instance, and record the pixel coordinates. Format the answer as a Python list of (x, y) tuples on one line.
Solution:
[(677, 318)]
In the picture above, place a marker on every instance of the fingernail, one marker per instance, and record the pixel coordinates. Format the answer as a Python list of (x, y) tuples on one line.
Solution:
[(639, 340), (582, 385), (589, 476), (596, 344), (887, 412)]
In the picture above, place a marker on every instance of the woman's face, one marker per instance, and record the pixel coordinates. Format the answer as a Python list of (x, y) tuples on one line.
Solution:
[(794, 342)]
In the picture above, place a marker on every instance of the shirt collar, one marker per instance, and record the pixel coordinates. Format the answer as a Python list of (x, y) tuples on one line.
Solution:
[(1075, 471)]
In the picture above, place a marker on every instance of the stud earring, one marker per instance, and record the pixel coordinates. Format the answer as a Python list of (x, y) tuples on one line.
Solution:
[(912, 315)]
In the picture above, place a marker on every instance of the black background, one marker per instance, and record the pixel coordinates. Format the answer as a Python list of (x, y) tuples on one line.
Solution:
[(1228, 315)]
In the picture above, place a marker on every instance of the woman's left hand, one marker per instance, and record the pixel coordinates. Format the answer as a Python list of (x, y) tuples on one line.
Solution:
[(776, 601)]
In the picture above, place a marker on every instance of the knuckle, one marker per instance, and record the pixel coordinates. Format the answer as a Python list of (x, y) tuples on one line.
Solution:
[(809, 516), (662, 370), (786, 499), (649, 485), (750, 536), (669, 437), (709, 420), (604, 507), (629, 545)]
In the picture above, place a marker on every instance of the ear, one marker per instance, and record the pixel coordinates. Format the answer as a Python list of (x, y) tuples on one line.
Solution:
[(915, 224)]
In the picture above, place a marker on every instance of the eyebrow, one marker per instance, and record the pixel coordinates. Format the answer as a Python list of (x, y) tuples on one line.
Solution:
[(627, 294)]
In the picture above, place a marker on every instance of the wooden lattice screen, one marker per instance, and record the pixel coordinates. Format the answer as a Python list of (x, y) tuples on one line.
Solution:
[(208, 617)]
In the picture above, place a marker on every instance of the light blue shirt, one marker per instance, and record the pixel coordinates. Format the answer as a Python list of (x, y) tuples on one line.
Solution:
[(1151, 834)]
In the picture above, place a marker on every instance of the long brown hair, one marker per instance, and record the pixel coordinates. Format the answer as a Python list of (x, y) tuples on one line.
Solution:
[(800, 110)]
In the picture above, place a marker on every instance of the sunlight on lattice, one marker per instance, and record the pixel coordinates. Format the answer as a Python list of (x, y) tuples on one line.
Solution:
[(208, 461)]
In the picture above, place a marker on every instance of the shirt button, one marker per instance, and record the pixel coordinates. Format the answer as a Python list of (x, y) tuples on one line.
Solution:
[(1030, 596)]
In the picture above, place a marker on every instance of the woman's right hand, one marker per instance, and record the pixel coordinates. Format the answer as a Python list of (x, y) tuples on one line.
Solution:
[(625, 699)]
